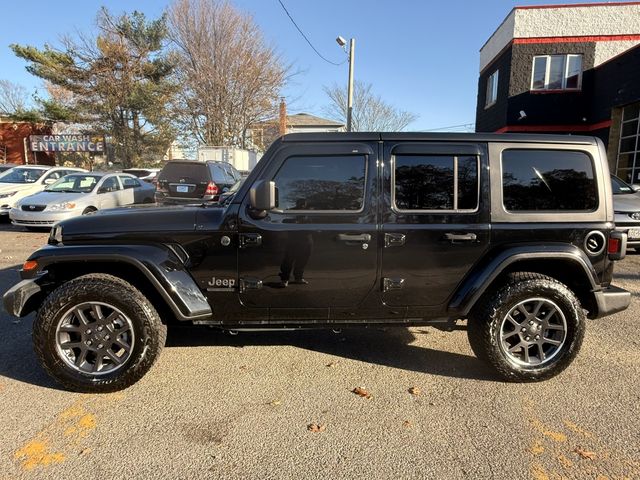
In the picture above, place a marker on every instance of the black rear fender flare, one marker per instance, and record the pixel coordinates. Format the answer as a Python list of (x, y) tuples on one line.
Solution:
[(483, 275)]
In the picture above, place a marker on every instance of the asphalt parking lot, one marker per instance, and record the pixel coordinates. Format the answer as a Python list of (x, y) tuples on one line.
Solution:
[(222, 406)]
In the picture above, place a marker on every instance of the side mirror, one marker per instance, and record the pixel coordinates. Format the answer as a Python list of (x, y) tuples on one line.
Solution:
[(103, 190), (636, 188), (262, 195), (50, 181)]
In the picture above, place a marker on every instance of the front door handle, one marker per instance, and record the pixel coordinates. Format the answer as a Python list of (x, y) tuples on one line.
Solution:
[(460, 237), (354, 237)]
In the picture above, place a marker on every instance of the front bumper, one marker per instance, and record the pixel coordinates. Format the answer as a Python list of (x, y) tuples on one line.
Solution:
[(40, 219), (611, 300), (16, 299)]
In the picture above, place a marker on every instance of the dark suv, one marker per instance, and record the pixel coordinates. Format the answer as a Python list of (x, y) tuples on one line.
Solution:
[(189, 181), (512, 233)]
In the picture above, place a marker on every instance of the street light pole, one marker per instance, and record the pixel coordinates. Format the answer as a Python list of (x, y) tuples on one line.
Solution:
[(352, 47)]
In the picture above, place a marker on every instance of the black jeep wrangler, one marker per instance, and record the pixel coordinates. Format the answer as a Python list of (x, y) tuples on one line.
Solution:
[(514, 233)]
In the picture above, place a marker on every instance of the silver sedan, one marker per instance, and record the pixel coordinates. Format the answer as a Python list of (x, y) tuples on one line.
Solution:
[(80, 194)]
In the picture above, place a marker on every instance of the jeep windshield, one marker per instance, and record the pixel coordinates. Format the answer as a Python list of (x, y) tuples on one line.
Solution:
[(22, 175), (75, 184), (620, 187)]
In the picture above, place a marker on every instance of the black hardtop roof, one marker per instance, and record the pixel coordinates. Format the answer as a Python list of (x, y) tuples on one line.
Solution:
[(438, 137)]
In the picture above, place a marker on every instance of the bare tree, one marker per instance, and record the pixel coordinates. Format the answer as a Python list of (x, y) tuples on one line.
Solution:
[(370, 112), (230, 77), (13, 98)]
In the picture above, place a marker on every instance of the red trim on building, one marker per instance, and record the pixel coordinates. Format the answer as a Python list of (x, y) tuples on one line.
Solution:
[(574, 5), (555, 128), (577, 39)]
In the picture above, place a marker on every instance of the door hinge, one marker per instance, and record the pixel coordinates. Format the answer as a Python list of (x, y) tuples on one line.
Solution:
[(250, 284), (394, 239), (392, 284), (250, 240)]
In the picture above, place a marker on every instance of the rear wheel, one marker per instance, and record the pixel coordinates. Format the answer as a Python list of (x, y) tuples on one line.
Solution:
[(97, 333), (531, 328), (89, 210)]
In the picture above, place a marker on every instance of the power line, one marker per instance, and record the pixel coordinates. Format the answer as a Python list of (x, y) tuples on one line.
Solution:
[(462, 125), (305, 37)]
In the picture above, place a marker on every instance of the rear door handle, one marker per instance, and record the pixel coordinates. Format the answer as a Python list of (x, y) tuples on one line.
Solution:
[(460, 237), (354, 237)]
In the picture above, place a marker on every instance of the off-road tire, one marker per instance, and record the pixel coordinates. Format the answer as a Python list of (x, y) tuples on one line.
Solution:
[(484, 322), (150, 333)]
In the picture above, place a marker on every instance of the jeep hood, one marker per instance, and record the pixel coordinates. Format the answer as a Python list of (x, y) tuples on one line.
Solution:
[(137, 222)]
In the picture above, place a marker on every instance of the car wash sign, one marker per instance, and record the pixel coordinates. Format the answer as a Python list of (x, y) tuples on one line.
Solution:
[(67, 143)]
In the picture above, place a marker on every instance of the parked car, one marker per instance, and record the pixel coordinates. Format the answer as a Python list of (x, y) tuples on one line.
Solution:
[(226, 197), (626, 206), (146, 174), (79, 194), (513, 233), (6, 166), (19, 182), (190, 181)]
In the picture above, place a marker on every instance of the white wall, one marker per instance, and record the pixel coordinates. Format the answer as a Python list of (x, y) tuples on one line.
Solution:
[(567, 22)]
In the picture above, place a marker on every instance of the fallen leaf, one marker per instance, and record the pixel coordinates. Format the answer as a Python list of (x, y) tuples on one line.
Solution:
[(316, 427), (362, 392), (585, 453), (415, 391), (85, 451), (244, 367), (331, 364), (274, 403), (407, 424)]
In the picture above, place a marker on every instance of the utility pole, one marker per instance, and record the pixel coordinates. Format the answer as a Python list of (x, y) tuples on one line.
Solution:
[(352, 47)]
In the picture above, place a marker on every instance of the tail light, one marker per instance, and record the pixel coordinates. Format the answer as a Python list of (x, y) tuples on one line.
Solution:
[(161, 186), (617, 245), (212, 189)]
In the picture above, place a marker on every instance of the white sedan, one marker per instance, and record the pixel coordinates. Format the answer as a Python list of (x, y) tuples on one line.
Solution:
[(80, 194), (22, 181)]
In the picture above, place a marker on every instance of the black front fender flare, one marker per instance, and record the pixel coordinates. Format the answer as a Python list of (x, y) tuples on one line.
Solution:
[(158, 263)]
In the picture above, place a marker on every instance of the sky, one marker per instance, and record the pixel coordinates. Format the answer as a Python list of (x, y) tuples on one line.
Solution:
[(421, 56)]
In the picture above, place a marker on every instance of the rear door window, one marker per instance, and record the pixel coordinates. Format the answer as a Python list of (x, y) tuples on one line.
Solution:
[(436, 182), (548, 180)]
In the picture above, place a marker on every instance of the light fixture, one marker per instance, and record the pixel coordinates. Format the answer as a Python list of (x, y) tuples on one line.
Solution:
[(523, 115), (341, 41)]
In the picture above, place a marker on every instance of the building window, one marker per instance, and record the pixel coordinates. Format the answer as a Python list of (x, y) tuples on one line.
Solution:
[(435, 182), (628, 166), (492, 89), (557, 72), (544, 180)]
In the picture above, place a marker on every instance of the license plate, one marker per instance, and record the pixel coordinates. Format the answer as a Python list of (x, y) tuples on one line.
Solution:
[(633, 233), (182, 189)]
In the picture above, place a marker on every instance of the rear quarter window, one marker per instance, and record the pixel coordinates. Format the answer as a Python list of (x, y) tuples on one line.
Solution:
[(548, 180)]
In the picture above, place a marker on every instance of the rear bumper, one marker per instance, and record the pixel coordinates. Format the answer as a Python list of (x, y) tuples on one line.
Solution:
[(167, 200), (17, 297), (611, 300), (631, 241)]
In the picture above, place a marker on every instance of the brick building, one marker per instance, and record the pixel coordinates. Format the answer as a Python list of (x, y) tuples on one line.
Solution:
[(14, 143), (571, 69)]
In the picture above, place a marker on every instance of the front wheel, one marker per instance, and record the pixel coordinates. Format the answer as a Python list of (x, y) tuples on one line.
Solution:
[(97, 333), (529, 329)]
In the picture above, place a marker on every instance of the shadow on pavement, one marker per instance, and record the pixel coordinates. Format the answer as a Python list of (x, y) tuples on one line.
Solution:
[(17, 358), (390, 347)]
